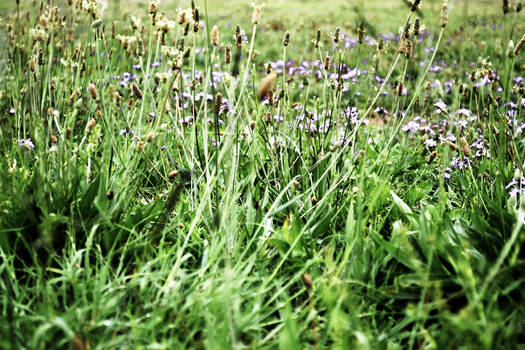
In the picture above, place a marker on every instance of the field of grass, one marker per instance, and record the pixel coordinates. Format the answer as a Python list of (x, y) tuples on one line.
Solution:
[(303, 174)]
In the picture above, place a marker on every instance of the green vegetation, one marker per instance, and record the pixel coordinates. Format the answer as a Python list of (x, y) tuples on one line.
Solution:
[(318, 176)]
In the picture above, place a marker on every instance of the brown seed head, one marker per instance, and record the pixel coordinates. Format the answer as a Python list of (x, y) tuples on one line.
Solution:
[(444, 14), (432, 156), (137, 91), (326, 62), (361, 31), (464, 146), (93, 92), (317, 39), (256, 15), (286, 39), (307, 280), (214, 34), (218, 103), (506, 7), (520, 44), (228, 53), (408, 49), (415, 5)]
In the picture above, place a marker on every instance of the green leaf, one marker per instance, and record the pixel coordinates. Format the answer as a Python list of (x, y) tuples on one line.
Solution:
[(405, 209)]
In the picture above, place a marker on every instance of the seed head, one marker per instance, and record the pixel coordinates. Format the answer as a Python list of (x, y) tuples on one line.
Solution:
[(93, 91), (317, 39), (218, 103), (286, 39), (444, 14), (91, 124), (506, 7), (464, 146), (307, 280), (228, 53), (417, 27), (137, 91), (268, 68), (256, 15), (361, 31), (408, 49), (432, 156), (519, 45), (335, 39), (153, 7), (326, 62), (415, 5), (214, 34)]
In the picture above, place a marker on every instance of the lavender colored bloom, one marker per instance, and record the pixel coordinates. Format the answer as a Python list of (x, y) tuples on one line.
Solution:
[(517, 187), (126, 131), (461, 164), (26, 144), (12, 111), (430, 143), (441, 106), (412, 126)]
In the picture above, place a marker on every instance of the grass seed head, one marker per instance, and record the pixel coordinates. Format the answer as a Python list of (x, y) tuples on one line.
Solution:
[(506, 7), (520, 44), (431, 157), (317, 39), (137, 91), (93, 91), (464, 146), (307, 280), (228, 54), (218, 103), (444, 14), (415, 5), (256, 15), (286, 39), (214, 34), (361, 31), (408, 49)]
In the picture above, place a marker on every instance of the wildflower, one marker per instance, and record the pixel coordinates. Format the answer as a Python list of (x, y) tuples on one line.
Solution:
[(430, 143), (26, 144)]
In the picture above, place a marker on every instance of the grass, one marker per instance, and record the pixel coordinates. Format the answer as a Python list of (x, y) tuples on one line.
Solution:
[(156, 196)]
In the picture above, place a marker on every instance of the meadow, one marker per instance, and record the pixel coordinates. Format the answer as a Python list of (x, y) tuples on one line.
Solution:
[(293, 175)]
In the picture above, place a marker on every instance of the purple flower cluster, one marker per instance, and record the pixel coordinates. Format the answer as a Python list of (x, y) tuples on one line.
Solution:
[(516, 187), (26, 144)]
